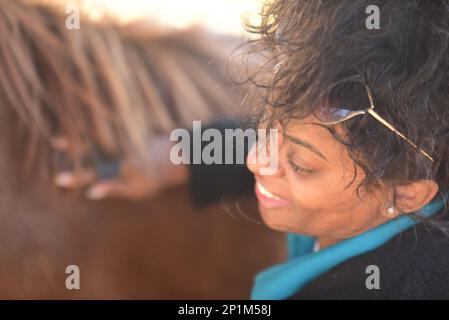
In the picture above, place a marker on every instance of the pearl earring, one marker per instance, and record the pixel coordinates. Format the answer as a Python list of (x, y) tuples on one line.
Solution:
[(391, 211)]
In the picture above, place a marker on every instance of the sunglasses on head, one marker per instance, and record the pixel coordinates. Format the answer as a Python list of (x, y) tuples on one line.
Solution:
[(330, 116)]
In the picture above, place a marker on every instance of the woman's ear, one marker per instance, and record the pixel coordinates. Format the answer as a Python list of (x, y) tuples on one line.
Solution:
[(415, 195)]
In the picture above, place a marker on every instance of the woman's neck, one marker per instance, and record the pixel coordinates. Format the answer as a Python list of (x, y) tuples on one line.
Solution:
[(326, 242)]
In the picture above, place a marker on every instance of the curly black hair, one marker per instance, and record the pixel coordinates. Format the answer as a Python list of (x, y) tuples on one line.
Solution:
[(312, 52)]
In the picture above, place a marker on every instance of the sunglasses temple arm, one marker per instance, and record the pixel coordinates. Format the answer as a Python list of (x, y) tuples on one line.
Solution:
[(389, 126)]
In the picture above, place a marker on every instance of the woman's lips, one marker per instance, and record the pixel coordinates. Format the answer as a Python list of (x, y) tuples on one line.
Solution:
[(267, 199)]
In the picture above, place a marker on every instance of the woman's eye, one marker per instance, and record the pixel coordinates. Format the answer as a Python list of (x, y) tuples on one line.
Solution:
[(296, 168)]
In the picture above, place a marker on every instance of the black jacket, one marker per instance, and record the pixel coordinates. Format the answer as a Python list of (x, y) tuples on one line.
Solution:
[(413, 265)]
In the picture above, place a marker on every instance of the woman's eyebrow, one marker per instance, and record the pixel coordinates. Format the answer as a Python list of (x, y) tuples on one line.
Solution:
[(305, 144)]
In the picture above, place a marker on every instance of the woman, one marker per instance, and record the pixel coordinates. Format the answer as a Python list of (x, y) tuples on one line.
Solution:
[(363, 159)]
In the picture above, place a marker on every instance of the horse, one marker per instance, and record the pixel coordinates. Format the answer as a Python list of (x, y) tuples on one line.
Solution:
[(113, 86)]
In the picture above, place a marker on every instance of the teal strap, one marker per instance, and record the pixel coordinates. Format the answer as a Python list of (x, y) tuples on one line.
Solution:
[(284, 280)]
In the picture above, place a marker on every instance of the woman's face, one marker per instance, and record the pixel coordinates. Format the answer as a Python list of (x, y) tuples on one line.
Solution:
[(308, 193)]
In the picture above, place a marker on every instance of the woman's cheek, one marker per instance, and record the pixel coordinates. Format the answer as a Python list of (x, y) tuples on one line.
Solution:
[(316, 196), (310, 192)]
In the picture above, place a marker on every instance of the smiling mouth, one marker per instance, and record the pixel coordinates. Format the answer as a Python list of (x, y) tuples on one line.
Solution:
[(267, 199), (267, 193)]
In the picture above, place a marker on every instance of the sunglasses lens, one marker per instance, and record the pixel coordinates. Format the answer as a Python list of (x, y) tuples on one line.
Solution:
[(328, 115), (348, 98)]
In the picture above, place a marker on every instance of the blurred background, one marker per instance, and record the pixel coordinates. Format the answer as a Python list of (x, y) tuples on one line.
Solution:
[(163, 248), (223, 16)]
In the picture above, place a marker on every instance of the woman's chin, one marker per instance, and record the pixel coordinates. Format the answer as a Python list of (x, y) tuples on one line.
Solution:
[(274, 218)]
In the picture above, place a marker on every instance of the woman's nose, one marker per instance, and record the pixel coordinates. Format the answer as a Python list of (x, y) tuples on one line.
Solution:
[(261, 162)]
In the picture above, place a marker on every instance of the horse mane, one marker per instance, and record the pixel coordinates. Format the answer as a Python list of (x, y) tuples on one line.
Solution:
[(108, 84)]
